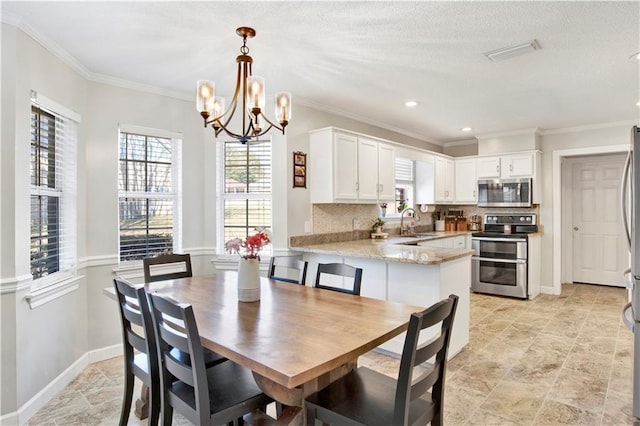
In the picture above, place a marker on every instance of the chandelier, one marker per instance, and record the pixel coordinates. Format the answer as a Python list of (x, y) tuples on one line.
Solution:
[(250, 89)]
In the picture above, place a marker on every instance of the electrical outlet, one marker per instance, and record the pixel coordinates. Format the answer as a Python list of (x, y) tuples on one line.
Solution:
[(356, 224)]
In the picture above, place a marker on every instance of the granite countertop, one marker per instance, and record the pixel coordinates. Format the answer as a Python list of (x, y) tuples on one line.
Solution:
[(393, 249)]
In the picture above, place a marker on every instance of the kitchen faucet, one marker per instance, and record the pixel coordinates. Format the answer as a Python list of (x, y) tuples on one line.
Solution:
[(404, 231)]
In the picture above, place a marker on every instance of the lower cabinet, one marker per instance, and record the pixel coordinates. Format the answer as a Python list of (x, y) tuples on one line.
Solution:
[(459, 241)]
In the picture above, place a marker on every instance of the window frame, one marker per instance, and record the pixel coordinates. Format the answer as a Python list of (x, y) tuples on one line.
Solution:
[(175, 195), (222, 196), (46, 288), (393, 215)]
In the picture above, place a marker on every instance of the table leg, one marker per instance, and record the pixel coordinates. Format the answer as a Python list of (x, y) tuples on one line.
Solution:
[(294, 397), (142, 404)]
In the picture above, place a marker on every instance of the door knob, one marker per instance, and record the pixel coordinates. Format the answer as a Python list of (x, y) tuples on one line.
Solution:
[(575, 228)]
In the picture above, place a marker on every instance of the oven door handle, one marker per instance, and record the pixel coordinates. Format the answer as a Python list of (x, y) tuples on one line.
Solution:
[(491, 259), (506, 240)]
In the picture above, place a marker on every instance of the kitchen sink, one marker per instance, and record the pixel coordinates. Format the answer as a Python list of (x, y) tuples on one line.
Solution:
[(420, 235)]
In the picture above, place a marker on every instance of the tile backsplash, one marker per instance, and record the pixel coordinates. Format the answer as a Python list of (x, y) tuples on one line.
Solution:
[(329, 218)]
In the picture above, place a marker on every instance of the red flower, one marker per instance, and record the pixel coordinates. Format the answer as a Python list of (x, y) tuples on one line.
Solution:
[(250, 247)]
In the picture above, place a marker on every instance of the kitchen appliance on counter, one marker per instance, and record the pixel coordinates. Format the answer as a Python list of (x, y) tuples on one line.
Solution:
[(475, 223), (504, 192), (499, 264), (630, 197)]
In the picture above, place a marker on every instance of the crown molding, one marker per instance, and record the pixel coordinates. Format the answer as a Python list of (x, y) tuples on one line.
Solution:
[(532, 131), (590, 127), (461, 143)]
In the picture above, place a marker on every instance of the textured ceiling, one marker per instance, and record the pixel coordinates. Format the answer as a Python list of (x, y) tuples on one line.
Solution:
[(365, 59)]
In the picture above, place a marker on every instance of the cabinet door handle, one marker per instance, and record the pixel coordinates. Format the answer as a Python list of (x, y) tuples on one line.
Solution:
[(511, 167), (381, 188), (357, 186), (497, 168), (474, 193)]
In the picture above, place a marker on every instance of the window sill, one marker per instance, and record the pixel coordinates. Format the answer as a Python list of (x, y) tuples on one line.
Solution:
[(55, 288)]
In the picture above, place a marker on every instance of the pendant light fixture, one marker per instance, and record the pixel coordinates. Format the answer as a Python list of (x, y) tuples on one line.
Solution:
[(250, 92)]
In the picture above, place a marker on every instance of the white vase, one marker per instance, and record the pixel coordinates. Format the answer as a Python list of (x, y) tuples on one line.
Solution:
[(248, 280)]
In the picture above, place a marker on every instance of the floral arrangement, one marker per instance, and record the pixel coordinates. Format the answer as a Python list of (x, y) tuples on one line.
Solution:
[(249, 248)]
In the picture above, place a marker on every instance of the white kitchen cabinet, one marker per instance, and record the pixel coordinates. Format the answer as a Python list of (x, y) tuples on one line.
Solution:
[(508, 166), (350, 168), (386, 172), (488, 167), (459, 241), (444, 180), (345, 175), (425, 181), (518, 165), (466, 182)]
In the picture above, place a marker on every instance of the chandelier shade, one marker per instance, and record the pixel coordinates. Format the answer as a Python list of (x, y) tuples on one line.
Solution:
[(250, 93)]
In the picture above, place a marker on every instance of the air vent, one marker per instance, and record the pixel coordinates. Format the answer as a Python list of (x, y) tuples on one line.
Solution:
[(511, 51)]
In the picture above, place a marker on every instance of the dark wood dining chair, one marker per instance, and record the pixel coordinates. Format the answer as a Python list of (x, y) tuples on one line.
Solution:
[(134, 310), (343, 270), (176, 260), (280, 264), (366, 397), (217, 395)]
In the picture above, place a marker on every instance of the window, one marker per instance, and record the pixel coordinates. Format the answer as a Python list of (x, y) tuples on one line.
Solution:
[(149, 195), (53, 190), (405, 183), (245, 189)]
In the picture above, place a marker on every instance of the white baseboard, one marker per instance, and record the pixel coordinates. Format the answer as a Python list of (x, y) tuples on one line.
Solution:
[(548, 290), (31, 407)]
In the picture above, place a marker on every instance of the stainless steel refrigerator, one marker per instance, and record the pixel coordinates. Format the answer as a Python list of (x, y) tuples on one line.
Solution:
[(630, 196)]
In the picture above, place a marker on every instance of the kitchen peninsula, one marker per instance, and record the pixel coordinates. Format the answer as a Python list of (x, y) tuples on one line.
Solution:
[(403, 270)]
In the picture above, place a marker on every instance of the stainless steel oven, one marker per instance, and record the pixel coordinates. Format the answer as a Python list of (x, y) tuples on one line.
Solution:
[(499, 264)]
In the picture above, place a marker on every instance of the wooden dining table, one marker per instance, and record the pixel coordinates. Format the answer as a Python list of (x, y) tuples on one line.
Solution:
[(296, 339)]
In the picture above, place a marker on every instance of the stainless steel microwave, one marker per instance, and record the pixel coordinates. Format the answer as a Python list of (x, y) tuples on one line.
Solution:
[(504, 193)]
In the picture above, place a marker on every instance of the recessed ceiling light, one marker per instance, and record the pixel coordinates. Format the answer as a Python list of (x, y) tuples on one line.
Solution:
[(466, 129), (638, 103), (508, 52), (635, 56), (410, 104)]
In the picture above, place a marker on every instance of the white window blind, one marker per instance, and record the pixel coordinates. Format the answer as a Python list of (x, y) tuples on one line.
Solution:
[(404, 169), (245, 189), (53, 197), (149, 195)]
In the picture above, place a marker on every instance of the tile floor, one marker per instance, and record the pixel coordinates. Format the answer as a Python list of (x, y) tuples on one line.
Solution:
[(552, 360)]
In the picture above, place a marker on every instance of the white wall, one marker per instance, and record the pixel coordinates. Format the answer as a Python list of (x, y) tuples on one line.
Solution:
[(570, 139), (37, 345)]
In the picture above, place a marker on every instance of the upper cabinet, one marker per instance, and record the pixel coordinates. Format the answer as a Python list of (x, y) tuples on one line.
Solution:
[(444, 180), (466, 182), (347, 167), (508, 166)]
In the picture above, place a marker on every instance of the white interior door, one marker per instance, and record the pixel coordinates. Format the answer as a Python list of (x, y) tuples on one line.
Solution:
[(600, 254)]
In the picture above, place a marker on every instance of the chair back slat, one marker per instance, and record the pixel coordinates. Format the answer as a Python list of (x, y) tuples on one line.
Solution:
[(343, 270), (132, 313), (424, 383), (182, 260), (136, 341), (280, 263), (179, 370), (427, 351), (410, 389), (174, 338)]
